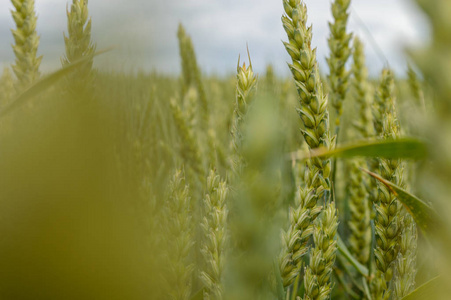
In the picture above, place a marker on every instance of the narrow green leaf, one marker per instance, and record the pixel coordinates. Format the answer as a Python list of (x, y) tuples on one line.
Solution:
[(350, 258), (366, 289), (423, 214), (199, 295), (410, 148), (279, 283), (428, 290), (46, 82)]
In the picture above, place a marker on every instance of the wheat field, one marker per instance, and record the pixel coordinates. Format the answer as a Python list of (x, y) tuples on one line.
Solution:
[(325, 184)]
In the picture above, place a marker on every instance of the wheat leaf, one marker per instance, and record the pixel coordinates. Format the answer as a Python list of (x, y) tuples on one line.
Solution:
[(400, 148), (422, 213), (350, 258), (427, 290), (199, 295)]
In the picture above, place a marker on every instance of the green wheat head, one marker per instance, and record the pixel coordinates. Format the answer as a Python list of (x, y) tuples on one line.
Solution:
[(313, 102), (246, 84), (215, 235), (78, 44), (391, 255), (359, 198), (6, 87), (359, 222), (295, 239), (361, 87), (191, 75), (26, 40), (315, 117), (186, 62), (178, 235), (339, 54), (405, 266), (189, 149), (382, 100)]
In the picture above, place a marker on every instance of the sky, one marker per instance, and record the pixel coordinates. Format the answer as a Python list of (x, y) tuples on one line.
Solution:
[(144, 32)]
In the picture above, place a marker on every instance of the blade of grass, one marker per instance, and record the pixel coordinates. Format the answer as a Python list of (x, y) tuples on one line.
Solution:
[(279, 284), (428, 290), (366, 289), (400, 148), (422, 213), (350, 258), (199, 295), (46, 82), (339, 276)]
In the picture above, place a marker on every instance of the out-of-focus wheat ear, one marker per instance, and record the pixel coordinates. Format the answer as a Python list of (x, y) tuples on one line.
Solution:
[(189, 149), (78, 44), (415, 86), (364, 123), (191, 76), (26, 40), (361, 190), (383, 98), (6, 87), (339, 54), (178, 228), (185, 60), (361, 88), (214, 224), (405, 266), (433, 59), (389, 225), (246, 84), (359, 222)]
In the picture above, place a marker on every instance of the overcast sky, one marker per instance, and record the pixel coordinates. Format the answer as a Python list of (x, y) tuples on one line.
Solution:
[(145, 32)]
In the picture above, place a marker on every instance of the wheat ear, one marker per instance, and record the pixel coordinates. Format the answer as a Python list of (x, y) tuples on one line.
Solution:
[(6, 87), (178, 228), (315, 117), (339, 54), (246, 83), (26, 40), (215, 235), (388, 208), (78, 44)]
